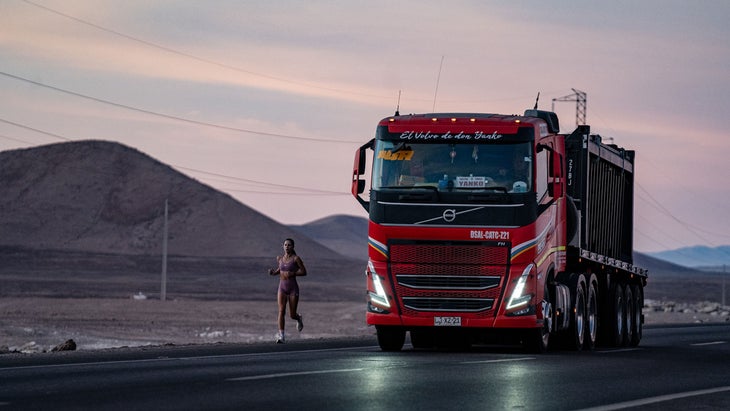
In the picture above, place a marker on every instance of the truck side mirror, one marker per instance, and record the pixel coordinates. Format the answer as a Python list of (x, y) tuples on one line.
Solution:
[(556, 165), (358, 169), (555, 189)]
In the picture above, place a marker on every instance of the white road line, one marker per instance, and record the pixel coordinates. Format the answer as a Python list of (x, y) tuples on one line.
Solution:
[(654, 400), (619, 350), (290, 374), (709, 343), (496, 361), (161, 359)]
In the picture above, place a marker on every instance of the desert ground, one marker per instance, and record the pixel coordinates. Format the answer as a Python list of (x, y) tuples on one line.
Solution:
[(38, 324), (43, 307)]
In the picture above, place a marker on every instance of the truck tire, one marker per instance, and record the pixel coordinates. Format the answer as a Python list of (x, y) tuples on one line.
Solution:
[(638, 296), (390, 338), (630, 314), (616, 316), (577, 329), (537, 340), (591, 336)]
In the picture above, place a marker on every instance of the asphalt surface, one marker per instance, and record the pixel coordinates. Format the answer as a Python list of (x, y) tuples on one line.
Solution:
[(675, 367)]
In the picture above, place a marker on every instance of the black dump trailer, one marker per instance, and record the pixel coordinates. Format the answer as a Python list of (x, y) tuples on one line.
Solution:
[(600, 187)]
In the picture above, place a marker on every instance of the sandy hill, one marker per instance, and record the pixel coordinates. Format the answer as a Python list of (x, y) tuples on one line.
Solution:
[(104, 197)]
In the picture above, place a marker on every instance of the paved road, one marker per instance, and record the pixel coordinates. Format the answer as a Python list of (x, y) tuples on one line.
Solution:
[(674, 368)]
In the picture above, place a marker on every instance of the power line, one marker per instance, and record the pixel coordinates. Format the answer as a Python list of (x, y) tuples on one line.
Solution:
[(235, 68), (288, 194), (311, 190), (652, 239), (658, 229), (201, 59), (171, 117), (34, 129), (15, 139), (302, 190), (657, 205), (654, 203)]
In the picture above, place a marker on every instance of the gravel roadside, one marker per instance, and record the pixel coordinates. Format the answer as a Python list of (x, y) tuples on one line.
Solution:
[(40, 324)]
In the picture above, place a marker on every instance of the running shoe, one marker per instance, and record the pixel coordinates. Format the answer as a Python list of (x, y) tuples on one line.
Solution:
[(280, 338), (300, 323)]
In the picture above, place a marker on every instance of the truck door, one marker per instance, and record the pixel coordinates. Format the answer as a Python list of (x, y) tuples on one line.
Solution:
[(548, 184)]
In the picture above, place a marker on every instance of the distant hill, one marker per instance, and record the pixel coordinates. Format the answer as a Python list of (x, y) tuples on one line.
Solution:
[(697, 257), (659, 267), (85, 218), (348, 235), (105, 197)]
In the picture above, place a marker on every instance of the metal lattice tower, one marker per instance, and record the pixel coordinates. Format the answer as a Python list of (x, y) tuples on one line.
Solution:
[(580, 105)]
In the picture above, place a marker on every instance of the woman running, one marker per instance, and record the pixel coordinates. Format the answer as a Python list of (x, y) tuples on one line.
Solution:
[(289, 267)]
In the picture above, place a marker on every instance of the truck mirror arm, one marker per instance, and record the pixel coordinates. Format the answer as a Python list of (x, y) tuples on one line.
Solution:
[(358, 184)]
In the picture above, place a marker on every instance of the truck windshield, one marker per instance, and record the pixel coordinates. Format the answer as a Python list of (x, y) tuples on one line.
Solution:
[(452, 167)]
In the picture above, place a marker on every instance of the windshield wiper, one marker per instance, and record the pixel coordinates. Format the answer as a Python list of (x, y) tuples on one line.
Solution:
[(399, 147)]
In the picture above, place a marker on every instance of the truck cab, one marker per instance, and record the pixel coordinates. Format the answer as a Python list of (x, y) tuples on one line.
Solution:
[(465, 223)]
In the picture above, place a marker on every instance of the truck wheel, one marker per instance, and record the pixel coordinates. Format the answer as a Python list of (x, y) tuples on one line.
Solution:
[(616, 316), (577, 329), (630, 315), (638, 296), (390, 338), (537, 340), (591, 313)]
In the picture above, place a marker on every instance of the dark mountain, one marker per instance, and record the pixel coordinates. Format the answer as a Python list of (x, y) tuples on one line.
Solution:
[(659, 267), (83, 210), (348, 235), (104, 197)]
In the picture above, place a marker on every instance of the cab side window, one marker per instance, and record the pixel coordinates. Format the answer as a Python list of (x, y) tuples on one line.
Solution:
[(541, 182)]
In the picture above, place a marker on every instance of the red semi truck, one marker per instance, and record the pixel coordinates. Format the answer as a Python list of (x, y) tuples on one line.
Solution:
[(497, 228)]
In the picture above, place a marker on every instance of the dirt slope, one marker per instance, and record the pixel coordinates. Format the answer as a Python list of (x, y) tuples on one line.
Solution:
[(101, 196)]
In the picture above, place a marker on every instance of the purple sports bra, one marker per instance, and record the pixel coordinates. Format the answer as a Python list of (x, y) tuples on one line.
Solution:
[(289, 266)]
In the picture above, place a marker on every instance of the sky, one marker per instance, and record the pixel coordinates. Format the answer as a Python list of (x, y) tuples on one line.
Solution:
[(268, 100)]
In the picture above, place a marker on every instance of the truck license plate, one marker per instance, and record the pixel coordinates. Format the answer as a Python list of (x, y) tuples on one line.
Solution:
[(447, 321)]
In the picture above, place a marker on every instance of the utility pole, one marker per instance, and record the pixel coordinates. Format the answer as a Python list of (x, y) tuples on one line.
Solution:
[(163, 288), (724, 277), (580, 99)]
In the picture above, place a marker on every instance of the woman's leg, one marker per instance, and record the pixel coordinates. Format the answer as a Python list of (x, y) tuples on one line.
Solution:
[(293, 305), (281, 299)]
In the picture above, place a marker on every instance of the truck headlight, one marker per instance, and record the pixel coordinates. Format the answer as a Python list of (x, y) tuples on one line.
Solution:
[(518, 298), (378, 297)]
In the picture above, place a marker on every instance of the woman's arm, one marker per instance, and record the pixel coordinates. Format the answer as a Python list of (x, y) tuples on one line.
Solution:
[(277, 270), (301, 271)]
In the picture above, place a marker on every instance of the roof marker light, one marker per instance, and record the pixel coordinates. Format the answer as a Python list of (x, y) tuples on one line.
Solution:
[(472, 120), (453, 120)]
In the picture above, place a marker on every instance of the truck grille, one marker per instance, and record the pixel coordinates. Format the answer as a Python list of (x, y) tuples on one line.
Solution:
[(448, 304), (448, 254), (446, 278), (448, 282)]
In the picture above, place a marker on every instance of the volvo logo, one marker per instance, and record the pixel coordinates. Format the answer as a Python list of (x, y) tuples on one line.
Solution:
[(449, 215)]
